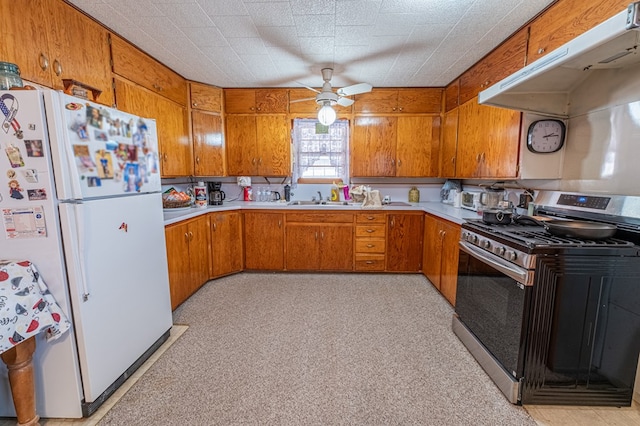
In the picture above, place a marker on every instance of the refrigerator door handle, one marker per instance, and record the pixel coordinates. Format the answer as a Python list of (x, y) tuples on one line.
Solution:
[(80, 245)]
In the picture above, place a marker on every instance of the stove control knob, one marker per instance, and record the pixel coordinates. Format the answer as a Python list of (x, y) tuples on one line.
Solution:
[(511, 255), (501, 251), (472, 238), (485, 244)]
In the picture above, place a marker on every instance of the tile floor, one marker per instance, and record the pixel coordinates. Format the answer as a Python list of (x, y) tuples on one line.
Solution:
[(544, 415)]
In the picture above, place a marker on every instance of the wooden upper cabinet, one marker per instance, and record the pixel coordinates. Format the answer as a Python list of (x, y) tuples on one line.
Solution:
[(373, 146), (418, 146), (205, 97), (389, 101), (452, 96), (208, 144), (488, 141), (506, 59), (176, 155), (51, 41), (256, 101), (274, 145), (137, 66), (448, 149), (566, 20)]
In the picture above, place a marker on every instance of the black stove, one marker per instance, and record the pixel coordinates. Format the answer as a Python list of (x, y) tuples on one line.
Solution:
[(525, 237), (554, 319)]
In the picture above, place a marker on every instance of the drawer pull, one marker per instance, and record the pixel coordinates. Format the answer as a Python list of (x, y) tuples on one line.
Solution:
[(370, 230), (370, 245), (370, 217), (369, 262)]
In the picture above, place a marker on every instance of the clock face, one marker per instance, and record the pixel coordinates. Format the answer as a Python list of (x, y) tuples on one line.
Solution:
[(546, 136)]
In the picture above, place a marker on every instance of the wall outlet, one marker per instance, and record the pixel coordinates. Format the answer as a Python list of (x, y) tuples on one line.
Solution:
[(244, 181)]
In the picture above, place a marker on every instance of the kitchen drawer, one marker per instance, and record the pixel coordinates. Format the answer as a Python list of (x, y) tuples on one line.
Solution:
[(370, 231), (320, 217), (370, 218), (368, 245), (369, 262)]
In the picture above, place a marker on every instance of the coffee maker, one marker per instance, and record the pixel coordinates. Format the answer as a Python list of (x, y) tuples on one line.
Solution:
[(216, 195)]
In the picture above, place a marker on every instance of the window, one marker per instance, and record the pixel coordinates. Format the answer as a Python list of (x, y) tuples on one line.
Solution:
[(320, 152)]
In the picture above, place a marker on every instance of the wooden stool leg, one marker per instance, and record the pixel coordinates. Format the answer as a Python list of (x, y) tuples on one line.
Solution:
[(19, 363)]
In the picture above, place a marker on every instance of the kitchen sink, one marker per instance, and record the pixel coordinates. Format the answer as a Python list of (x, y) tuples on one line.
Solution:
[(318, 203)]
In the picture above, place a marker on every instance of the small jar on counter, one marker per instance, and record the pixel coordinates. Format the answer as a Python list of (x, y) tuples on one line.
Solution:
[(414, 195), (9, 76)]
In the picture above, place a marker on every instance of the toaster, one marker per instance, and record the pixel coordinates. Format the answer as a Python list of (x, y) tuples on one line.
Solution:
[(470, 200)]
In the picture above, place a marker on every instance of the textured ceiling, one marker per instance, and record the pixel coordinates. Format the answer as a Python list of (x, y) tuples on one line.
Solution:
[(245, 43)]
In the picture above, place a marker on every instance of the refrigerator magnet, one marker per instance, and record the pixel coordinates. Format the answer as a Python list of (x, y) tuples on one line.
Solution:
[(30, 175), (14, 190), (37, 194), (14, 155), (34, 148)]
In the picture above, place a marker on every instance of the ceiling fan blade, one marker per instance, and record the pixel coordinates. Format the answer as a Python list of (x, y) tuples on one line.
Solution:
[(354, 89), (345, 101), (310, 88), (302, 100)]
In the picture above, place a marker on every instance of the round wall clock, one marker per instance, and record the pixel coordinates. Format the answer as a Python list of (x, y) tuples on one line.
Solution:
[(545, 136)]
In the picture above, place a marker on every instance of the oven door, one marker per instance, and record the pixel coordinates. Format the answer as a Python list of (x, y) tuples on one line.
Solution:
[(491, 303)]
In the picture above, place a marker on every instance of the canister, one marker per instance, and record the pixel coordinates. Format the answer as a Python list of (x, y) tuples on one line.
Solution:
[(200, 192), (9, 76), (414, 195)]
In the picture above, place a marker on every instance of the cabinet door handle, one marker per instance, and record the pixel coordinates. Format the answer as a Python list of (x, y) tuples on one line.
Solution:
[(316, 235), (57, 67), (195, 104), (197, 160), (186, 237), (215, 226), (44, 62), (190, 236), (252, 109), (401, 109), (260, 161), (253, 161), (164, 156), (322, 235), (279, 223), (399, 163)]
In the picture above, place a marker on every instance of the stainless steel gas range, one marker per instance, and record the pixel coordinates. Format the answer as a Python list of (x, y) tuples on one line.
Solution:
[(554, 319)]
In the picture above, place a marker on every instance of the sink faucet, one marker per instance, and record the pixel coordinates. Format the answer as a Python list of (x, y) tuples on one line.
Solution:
[(320, 196)]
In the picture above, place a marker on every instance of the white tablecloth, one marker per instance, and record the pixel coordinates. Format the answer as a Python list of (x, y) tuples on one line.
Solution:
[(27, 308)]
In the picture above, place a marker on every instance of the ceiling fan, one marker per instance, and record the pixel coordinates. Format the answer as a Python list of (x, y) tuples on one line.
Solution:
[(327, 98)]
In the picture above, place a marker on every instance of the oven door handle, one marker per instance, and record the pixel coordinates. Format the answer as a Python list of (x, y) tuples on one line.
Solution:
[(519, 274)]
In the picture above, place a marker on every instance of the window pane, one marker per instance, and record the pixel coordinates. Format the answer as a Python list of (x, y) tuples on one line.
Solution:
[(320, 151)]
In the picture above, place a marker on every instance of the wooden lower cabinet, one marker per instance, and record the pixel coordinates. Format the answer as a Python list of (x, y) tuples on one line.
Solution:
[(371, 242), (226, 243), (188, 247), (316, 241), (264, 241), (440, 264), (404, 242)]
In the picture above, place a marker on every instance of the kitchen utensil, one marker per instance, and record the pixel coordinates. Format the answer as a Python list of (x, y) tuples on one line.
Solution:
[(491, 198), (497, 216), (581, 229)]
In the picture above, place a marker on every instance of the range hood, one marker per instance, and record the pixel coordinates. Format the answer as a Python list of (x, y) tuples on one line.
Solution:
[(545, 85)]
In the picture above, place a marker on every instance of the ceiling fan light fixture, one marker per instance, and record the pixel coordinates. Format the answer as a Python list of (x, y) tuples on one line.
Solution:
[(326, 115)]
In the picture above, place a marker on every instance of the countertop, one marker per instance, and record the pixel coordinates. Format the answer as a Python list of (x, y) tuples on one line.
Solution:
[(436, 208)]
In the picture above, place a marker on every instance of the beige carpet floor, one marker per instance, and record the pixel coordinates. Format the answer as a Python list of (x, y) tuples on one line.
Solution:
[(316, 349)]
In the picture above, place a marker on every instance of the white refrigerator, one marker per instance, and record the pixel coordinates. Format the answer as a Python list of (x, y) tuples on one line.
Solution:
[(80, 196)]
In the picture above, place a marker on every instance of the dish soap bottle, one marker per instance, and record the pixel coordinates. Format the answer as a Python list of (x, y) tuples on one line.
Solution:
[(414, 195)]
